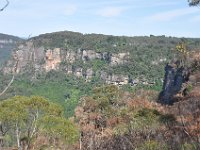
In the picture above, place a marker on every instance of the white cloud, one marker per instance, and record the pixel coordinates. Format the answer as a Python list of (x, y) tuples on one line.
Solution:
[(110, 11), (170, 15), (70, 9)]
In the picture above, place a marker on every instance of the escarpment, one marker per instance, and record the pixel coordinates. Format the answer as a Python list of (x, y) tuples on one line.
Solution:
[(39, 59), (114, 59)]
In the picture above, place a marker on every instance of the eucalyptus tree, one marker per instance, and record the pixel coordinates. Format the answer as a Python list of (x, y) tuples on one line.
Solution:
[(25, 118)]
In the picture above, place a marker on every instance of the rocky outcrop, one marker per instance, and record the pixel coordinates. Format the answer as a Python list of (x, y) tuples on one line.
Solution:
[(175, 77), (40, 59), (26, 55), (119, 59), (182, 79), (114, 79), (88, 55), (88, 74), (50, 59), (53, 59)]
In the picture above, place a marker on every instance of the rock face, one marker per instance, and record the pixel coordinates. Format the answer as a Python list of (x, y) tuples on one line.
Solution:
[(115, 79), (39, 59), (175, 76), (53, 59), (25, 55), (118, 59)]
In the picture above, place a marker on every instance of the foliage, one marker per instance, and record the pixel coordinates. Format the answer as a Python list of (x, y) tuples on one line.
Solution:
[(194, 2), (110, 115), (55, 86), (58, 127), (147, 55), (30, 116)]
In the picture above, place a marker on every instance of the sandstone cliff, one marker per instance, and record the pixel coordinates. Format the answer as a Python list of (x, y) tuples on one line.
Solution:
[(114, 59), (40, 59)]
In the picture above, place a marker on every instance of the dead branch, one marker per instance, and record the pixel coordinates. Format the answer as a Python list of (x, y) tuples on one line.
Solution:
[(6, 5)]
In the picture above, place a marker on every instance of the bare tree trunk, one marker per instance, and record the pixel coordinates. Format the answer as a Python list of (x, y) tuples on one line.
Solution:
[(32, 129), (1, 137), (11, 81), (18, 137), (80, 141), (91, 143)]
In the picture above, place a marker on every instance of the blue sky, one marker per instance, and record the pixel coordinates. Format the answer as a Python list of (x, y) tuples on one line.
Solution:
[(115, 17)]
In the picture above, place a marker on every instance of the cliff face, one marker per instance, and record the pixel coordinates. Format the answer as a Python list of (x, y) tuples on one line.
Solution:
[(115, 59), (174, 78), (40, 59), (26, 55), (53, 59), (179, 79)]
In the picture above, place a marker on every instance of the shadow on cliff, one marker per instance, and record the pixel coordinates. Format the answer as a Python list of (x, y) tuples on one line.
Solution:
[(175, 80)]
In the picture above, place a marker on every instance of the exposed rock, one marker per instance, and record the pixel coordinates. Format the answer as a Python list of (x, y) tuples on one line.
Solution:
[(69, 70), (39, 59), (89, 74), (53, 59), (26, 55), (175, 76), (88, 55), (106, 56), (114, 79), (70, 57), (78, 72), (118, 59)]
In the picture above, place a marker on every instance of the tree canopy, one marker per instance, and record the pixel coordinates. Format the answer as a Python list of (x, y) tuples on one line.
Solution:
[(24, 119), (194, 2)]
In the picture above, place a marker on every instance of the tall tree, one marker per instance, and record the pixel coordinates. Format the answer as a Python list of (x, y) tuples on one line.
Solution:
[(27, 117)]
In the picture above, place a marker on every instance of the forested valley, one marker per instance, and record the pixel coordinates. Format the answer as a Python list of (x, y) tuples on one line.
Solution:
[(75, 91)]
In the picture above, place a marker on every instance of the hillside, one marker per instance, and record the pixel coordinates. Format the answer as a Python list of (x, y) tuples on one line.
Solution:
[(64, 66), (7, 44), (108, 87), (117, 120), (117, 60)]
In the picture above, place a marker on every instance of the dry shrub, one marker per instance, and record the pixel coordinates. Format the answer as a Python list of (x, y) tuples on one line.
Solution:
[(195, 55), (79, 112), (139, 103), (88, 128), (89, 104), (40, 142), (195, 92), (94, 116), (112, 122)]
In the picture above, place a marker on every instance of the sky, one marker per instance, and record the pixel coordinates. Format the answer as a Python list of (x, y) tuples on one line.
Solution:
[(111, 17)]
